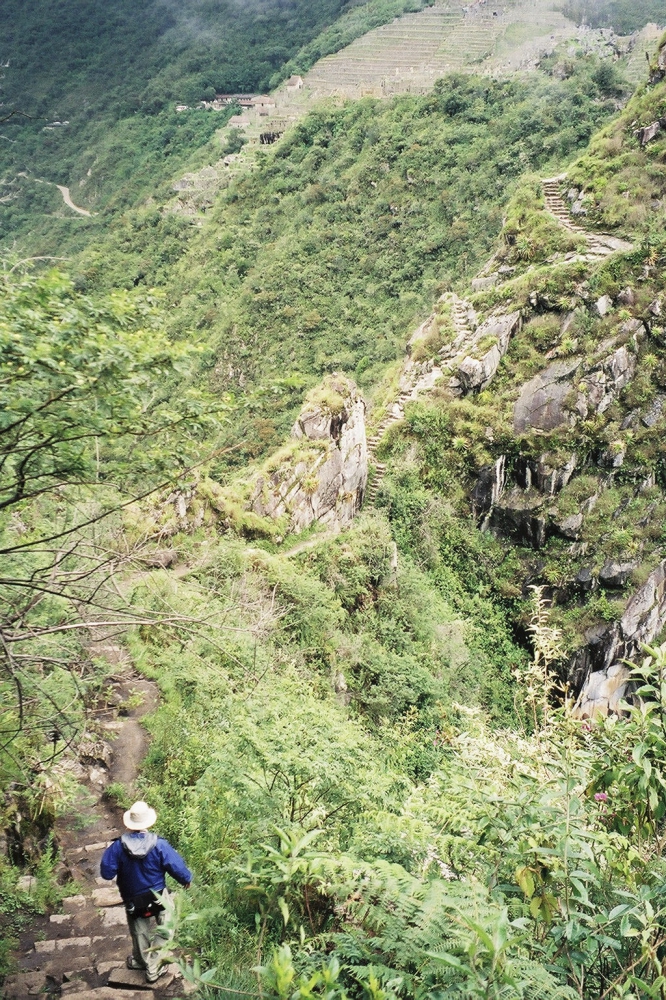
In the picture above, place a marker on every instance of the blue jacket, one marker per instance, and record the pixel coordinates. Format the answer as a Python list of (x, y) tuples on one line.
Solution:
[(140, 862)]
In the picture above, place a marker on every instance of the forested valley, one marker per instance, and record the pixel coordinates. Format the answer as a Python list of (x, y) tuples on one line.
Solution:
[(332, 498)]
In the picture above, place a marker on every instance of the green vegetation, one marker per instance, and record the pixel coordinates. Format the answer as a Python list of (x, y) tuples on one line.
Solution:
[(101, 84), (21, 903), (622, 180), (88, 424), (395, 859), (324, 257), (530, 234), (361, 746)]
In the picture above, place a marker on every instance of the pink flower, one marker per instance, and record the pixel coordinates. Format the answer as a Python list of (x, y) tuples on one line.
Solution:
[(600, 797)]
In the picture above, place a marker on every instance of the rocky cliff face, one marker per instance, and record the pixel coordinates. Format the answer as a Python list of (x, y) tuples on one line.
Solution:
[(322, 474), (554, 387)]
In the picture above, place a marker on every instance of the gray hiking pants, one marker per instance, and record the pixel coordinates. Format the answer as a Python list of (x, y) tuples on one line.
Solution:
[(144, 937)]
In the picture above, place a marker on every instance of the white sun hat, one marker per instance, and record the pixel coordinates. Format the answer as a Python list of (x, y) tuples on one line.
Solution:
[(139, 816)]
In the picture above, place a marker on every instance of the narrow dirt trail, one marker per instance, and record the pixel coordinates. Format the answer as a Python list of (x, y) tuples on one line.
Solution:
[(82, 950), (67, 198)]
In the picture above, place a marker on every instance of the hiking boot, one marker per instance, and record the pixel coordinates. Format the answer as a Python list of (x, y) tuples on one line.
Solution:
[(132, 963), (152, 977)]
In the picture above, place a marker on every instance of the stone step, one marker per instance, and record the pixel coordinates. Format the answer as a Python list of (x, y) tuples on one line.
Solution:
[(60, 944), (106, 897), (24, 984), (109, 993), (73, 903), (125, 978)]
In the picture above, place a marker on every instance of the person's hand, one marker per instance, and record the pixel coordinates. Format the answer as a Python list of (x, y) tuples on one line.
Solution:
[(187, 885)]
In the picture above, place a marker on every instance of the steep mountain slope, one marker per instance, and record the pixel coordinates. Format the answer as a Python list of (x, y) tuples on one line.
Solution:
[(409, 54), (359, 746), (343, 235), (561, 444)]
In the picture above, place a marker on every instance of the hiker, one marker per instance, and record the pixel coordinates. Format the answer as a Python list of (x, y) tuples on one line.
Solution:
[(140, 860)]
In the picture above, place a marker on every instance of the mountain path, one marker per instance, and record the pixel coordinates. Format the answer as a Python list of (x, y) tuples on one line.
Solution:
[(67, 198), (82, 950), (599, 244)]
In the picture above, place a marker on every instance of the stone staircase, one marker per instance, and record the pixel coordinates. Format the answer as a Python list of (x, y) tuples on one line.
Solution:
[(82, 950), (395, 412), (415, 379), (600, 245), (460, 314)]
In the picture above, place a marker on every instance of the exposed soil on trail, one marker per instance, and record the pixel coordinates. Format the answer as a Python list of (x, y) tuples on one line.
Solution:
[(82, 950), (67, 198), (131, 742)]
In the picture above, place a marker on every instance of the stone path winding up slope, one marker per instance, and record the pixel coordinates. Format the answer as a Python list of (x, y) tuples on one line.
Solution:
[(415, 379), (599, 244)]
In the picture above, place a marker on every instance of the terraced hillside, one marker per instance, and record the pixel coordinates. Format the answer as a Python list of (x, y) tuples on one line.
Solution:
[(413, 51), (416, 49)]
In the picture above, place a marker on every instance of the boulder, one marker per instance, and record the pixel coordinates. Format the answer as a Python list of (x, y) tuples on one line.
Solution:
[(478, 284), (475, 373), (616, 574), (569, 527), (613, 457), (95, 752), (603, 305), (654, 412), (541, 401), (643, 619), (160, 558), (602, 692), (645, 614), (627, 297), (648, 132), (586, 579)]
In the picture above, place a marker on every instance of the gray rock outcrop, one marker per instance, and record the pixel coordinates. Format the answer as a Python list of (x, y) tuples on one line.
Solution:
[(602, 692), (643, 619), (475, 373), (601, 385), (547, 473), (520, 515), (560, 394), (323, 475), (654, 411), (649, 132), (616, 574), (490, 485), (541, 404), (570, 527)]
